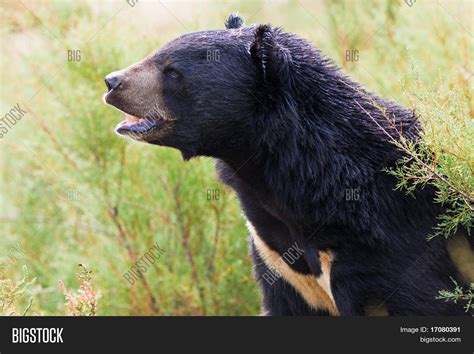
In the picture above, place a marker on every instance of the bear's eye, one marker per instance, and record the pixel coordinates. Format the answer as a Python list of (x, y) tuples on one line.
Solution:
[(172, 72)]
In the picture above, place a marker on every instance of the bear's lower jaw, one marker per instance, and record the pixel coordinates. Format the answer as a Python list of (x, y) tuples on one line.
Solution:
[(138, 128)]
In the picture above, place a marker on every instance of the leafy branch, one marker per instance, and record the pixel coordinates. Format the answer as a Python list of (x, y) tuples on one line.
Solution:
[(459, 294), (427, 161)]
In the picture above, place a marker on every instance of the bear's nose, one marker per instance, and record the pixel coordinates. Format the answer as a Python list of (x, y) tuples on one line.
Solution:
[(113, 80)]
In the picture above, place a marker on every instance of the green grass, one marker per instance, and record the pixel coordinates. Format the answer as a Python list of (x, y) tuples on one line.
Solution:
[(73, 193)]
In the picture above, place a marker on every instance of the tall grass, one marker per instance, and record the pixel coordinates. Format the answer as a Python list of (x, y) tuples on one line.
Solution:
[(73, 193)]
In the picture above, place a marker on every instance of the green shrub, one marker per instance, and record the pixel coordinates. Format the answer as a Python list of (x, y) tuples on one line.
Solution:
[(73, 193)]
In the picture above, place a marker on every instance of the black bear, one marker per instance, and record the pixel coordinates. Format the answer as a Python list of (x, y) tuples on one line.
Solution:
[(304, 148)]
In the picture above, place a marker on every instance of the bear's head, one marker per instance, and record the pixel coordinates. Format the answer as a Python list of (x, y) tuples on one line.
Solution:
[(202, 93)]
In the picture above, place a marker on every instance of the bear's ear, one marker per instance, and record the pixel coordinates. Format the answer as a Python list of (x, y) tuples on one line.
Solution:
[(234, 21), (272, 60)]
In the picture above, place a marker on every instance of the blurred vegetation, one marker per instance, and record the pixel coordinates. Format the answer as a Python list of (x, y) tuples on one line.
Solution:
[(73, 193), (11, 292)]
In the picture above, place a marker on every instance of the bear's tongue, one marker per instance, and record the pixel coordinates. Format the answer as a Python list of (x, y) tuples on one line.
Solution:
[(135, 125), (130, 120)]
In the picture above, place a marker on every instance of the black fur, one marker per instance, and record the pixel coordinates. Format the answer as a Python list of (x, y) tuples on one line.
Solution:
[(234, 21), (314, 143), (294, 137)]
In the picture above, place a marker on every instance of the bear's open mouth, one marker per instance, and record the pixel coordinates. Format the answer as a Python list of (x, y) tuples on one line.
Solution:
[(138, 127)]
